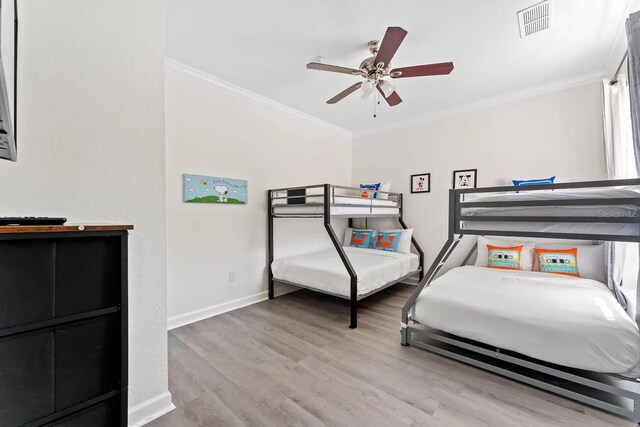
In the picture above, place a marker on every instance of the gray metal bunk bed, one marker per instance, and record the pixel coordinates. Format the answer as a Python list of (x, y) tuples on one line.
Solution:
[(471, 213), (328, 201)]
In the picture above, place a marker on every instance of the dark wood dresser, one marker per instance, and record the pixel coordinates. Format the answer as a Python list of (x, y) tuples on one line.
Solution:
[(63, 326)]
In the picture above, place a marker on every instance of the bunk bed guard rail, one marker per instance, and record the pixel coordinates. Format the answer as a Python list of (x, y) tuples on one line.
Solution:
[(461, 201), (317, 201)]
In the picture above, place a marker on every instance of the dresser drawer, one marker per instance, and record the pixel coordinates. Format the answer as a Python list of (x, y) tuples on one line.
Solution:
[(26, 377), (88, 275), (87, 360), (47, 279), (74, 362), (26, 281)]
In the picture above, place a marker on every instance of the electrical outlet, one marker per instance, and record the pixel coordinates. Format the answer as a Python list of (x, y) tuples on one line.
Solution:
[(232, 276)]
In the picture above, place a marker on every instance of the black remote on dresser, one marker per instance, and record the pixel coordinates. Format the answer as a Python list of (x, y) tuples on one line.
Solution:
[(31, 220)]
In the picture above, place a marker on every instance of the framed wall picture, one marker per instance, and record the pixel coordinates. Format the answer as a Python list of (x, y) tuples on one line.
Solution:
[(467, 178), (213, 189), (421, 183)]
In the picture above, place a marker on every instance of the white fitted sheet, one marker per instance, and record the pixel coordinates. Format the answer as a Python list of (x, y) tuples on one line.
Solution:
[(571, 211), (559, 319), (325, 270)]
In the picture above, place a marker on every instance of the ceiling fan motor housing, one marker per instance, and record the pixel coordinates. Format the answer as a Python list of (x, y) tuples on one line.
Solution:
[(372, 72)]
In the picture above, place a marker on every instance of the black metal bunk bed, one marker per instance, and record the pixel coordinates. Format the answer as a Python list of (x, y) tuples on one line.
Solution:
[(610, 392), (317, 201)]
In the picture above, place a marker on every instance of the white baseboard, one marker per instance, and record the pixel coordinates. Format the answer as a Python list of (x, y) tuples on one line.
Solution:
[(214, 310), (150, 409)]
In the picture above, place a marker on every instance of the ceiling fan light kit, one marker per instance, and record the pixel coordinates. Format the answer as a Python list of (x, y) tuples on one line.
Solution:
[(377, 67), (367, 90), (387, 88)]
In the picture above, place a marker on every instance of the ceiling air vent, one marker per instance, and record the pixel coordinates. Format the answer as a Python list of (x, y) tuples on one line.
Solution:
[(534, 19)]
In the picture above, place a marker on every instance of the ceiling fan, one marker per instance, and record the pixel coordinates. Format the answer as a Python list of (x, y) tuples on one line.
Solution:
[(377, 67)]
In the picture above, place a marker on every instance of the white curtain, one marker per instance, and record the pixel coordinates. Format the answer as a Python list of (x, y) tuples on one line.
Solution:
[(621, 164), (633, 50), (620, 154)]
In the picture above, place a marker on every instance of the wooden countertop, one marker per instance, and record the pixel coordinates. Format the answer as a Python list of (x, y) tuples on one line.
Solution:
[(67, 228)]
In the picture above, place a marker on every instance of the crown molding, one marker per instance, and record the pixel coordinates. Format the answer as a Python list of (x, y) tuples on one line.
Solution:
[(483, 104), (179, 69), (197, 76)]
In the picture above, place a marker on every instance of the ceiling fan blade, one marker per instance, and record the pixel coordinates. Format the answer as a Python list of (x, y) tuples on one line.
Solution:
[(393, 99), (333, 68), (390, 44), (348, 91), (422, 70)]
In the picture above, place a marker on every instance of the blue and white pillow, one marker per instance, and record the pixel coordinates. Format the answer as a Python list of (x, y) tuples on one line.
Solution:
[(369, 191), (387, 241), (361, 238), (539, 181)]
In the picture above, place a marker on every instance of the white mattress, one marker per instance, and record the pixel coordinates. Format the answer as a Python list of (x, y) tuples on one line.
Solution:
[(325, 270), (559, 319), (571, 211)]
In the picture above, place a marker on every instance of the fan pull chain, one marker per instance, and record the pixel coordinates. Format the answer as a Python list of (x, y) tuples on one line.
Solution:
[(375, 102)]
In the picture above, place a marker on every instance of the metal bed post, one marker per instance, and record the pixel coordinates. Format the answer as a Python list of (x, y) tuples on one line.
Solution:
[(353, 301), (437, 264), (270, 239), (414, 242)]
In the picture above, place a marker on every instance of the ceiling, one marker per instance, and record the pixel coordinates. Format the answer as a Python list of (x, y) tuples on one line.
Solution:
[(263, 46)]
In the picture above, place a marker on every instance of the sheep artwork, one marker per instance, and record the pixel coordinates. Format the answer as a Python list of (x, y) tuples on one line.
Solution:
[(214, 190)]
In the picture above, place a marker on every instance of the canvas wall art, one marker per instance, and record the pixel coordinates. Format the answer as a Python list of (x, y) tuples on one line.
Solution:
[(213, 189)]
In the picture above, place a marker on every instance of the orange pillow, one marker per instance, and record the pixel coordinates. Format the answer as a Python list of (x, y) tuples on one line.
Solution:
[(507, 258), (558, 261)]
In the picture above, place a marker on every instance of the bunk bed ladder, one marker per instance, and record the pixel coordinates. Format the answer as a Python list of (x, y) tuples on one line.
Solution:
[(442, 257), (270, 240), (437, 264), (353, 301)]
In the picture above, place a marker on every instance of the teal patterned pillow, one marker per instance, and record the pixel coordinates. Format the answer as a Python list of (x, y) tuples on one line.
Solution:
[(387, 241), (361, 238)]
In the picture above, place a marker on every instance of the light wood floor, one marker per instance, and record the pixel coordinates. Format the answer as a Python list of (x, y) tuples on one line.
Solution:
[(294, 362)]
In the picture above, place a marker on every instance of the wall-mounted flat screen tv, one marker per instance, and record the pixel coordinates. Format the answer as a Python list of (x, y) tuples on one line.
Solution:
[(8, 78)]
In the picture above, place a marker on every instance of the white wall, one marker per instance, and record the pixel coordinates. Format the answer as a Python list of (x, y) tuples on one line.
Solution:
[(213, 133), (91, 145), (555, 134)]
